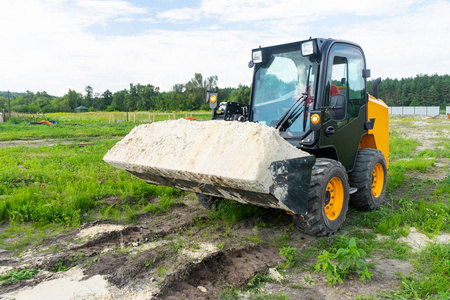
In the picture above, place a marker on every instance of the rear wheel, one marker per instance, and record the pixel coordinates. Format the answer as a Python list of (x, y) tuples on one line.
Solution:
[(207, 201), (328, 199), (369, 176)]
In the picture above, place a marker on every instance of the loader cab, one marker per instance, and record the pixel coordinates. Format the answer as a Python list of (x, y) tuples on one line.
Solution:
[(314, 93), (284, 78)]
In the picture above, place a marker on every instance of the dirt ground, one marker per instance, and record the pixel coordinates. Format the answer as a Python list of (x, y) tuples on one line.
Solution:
[(180, 255), (171, 256)]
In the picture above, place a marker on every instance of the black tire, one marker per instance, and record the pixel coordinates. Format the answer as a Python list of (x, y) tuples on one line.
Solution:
[(322, 219), (207, 201), (366, 175)]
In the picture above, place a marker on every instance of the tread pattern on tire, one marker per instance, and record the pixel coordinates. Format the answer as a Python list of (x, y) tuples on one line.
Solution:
[(361, 178), (313, 222)]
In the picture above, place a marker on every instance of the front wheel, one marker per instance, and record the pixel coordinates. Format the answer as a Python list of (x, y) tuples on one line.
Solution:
[(328, 199)]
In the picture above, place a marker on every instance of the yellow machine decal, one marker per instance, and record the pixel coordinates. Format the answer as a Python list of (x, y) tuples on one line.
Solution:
[(378, 137)]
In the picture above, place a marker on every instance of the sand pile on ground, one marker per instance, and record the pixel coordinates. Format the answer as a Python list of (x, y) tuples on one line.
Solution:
[(232, 153), (94, 230)]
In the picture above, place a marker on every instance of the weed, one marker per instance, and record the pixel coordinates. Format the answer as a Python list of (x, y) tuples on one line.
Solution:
[(255, 236), (17, 275), (309, 280), (177, 244), (229, 294), (220, 245), (350, 259), (277, 296), (258, 281), (160, 272), (281, 241), (297, 287), (291, 255), (59, 267), (444, 186)]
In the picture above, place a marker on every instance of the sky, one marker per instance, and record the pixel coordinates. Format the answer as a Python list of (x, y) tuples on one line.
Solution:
[(57, 45)]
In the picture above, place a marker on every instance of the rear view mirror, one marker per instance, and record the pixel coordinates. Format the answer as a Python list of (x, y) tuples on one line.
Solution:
[(338, 107)]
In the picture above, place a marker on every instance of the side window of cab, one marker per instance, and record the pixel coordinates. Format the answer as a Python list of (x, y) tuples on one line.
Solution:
[(345, 76)]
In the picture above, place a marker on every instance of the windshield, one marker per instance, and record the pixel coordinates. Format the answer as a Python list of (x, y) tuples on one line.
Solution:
[(283, 81)]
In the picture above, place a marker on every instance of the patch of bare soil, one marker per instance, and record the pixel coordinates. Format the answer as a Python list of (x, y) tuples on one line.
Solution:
[(177, 255), (223, 269), (33, 143), (307, 285), (46, 142)]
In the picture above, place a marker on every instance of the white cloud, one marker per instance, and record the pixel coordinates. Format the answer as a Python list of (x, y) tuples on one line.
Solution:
[(177, 15), (124, 20), (409, 44), (46, 45), (108, 9)]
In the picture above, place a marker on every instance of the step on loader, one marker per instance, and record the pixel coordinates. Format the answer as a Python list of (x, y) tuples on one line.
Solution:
[(312, 141)]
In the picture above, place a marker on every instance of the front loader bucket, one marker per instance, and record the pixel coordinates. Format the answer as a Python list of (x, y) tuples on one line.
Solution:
[(246, 162)]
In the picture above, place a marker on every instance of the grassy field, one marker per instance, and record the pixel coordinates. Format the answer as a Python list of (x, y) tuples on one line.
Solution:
[(49, 190), (84, 126)]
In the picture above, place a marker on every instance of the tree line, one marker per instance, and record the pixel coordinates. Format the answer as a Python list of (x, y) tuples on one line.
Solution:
[(422, 90), (182, 97)]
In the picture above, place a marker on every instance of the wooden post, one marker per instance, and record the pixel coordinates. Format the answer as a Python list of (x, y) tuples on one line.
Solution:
[(149, 117), (174, 116), (153, 117), (113, 118), (134, 117), (186, 116)]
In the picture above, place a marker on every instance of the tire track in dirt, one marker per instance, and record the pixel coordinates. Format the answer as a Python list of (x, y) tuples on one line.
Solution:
[(223, 269), (149, 229)]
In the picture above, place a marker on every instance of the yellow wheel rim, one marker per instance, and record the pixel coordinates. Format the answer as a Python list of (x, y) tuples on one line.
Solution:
[(334, 198), (377, 180)]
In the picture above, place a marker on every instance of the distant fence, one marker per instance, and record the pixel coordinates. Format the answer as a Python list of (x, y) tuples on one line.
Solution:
[(415, 110)]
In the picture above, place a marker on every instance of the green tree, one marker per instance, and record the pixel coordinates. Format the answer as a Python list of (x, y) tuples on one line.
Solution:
[(241, 94), (89, 97)]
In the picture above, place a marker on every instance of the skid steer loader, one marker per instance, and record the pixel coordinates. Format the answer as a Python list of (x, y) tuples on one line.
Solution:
[(311, 141)]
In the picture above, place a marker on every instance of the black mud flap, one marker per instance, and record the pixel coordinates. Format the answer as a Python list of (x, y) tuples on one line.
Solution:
[(293, 175)]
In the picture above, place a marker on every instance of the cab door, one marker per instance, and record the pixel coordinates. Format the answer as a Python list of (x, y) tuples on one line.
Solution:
[(344, 76)]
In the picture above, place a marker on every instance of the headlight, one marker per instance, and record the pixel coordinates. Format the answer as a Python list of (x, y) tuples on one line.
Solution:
[(223, 106), (257, 57), (308, 48)]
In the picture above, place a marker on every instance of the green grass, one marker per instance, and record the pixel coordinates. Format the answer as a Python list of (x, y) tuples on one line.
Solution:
[(83, 126), (19, 236), (430, 217), (17, 275), (61, 184), (401, 147), (64, 130), (431, 277), (397, 170)]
